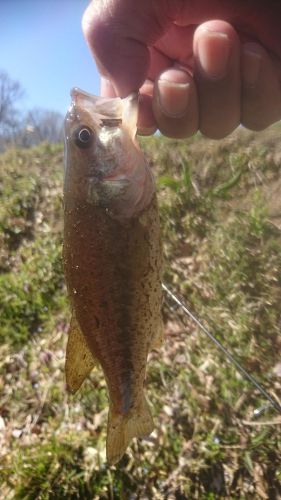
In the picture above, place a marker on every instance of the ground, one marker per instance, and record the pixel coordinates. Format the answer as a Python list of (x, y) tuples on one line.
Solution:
[(215, 435)]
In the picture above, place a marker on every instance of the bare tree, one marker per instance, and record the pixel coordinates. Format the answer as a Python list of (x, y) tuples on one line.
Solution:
[(10, 92), (25, 130), (42, 125)]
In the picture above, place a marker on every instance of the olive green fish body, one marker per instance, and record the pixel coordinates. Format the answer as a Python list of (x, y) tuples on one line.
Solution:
[(112, 260), (113, 273)]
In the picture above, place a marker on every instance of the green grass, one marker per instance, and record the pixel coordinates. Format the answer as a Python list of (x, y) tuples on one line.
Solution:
[(27, 298), (221, 220)]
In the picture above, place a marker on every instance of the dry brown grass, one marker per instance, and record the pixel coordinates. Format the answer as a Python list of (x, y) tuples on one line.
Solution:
[(222, 250)]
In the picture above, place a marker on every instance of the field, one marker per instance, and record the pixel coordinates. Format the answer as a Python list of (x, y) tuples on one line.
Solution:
[(215, 435)]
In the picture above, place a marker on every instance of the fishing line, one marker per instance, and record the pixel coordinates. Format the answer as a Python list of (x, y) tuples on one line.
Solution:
[(227, 354)]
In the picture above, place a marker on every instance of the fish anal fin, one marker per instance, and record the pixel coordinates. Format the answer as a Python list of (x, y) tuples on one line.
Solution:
[(122, 428), (79, 360), (158, 337)]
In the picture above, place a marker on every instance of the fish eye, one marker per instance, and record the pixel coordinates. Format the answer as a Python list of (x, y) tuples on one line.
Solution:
[(83, 137)]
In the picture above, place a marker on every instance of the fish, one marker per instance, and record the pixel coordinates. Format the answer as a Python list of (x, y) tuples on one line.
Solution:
[(112, 260)]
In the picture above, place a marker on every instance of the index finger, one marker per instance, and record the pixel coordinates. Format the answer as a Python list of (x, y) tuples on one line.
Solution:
[(119, 33)]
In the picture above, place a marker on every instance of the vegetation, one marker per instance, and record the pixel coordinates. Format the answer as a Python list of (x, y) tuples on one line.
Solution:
[(215, 436)]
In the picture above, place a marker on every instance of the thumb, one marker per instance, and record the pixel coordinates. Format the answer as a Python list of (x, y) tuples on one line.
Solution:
[(118, 34)]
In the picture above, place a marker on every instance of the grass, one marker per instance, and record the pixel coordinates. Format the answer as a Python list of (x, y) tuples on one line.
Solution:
[(221, 219)]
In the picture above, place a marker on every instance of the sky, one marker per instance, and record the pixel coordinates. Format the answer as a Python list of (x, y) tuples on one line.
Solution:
[(42, 46)]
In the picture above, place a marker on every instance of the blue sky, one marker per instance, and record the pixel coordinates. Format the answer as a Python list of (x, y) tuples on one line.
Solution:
[(42, 46)]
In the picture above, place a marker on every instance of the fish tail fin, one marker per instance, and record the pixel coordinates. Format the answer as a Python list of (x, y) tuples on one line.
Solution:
[(122, 428), (79, 361)]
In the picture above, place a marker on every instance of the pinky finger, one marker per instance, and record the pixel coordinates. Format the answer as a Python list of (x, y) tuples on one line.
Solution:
[(261, 90)]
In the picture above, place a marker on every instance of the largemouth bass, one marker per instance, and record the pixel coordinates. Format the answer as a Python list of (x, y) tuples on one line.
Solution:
[(112, 260)]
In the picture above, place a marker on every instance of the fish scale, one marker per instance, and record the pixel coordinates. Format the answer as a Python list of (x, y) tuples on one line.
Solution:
[(112, 261)]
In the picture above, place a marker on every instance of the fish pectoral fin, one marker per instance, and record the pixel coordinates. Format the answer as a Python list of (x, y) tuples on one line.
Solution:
[(122, 428), (79, 360), (158, 337)]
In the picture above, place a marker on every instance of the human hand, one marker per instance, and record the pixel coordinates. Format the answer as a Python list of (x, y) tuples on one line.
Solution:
[(207, 65)]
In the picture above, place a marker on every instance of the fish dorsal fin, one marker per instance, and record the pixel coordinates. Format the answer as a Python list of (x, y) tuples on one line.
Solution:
[(79, 361)]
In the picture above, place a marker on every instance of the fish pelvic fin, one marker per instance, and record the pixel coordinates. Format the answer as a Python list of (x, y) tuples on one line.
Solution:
[(122, 428), (79, 360), (158, 337)]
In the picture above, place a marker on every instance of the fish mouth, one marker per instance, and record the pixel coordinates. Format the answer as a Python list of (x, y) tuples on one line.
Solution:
[(98, 179), (108, 179), (112, 178), (100, 108), (104, 111)]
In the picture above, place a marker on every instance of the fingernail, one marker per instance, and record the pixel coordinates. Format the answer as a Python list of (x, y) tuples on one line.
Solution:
[(251, 64), (213, 48), (146, 130), (173, 97)]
